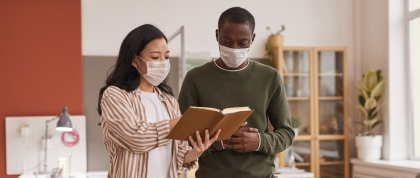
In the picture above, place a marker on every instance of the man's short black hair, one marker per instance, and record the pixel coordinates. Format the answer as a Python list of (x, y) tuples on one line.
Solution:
[(237, 15)]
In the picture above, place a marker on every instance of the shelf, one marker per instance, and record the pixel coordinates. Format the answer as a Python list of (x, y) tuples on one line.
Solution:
[(300, 164), (331, 137), (295, 74), (303, 138), (330, 98), (326, 163), (330, 74), (293, 98)]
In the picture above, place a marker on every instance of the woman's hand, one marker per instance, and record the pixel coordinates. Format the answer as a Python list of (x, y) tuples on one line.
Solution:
[(199, 147)]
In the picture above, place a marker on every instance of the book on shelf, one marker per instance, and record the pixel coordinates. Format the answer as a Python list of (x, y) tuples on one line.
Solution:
[(202, 118)]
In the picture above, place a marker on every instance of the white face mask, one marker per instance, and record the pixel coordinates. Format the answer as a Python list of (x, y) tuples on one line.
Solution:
[(156, 71), (233, 57)]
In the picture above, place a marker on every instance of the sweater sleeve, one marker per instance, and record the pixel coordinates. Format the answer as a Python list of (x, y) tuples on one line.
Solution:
[(188, 96), (278, 113), (126, 130)]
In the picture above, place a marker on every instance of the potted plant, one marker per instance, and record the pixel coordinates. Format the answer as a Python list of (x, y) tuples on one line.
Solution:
[(368, 144), (274, 40), (296, 124)]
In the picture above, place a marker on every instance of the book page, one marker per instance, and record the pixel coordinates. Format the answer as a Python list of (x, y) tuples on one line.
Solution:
[(235, 109), (207, 108)]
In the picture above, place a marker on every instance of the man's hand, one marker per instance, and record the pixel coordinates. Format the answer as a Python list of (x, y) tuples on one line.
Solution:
[(243, 140)]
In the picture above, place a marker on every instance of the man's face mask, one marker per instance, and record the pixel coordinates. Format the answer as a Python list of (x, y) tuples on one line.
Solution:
[(156, 71), (233, 57)]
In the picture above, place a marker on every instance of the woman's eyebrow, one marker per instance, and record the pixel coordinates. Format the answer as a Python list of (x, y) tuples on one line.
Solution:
[(158, 52)]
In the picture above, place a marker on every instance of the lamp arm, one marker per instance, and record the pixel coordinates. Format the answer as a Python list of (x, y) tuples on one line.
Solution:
[(49, 120), (45, 142)]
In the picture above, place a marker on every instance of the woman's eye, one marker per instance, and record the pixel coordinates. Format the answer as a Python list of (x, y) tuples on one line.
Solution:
[(167, 57), (155, 58)]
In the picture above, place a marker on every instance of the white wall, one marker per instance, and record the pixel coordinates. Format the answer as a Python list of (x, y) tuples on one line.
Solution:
[(308, 23), (380, 44)]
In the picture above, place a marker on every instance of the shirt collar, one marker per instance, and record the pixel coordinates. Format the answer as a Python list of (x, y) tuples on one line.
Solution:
[(161, 95)]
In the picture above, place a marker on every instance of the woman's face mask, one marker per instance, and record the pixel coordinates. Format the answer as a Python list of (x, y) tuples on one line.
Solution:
[(156, 71), (233, 57)]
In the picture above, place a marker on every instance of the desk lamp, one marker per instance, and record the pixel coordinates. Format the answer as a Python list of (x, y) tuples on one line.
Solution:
[(63, 124)]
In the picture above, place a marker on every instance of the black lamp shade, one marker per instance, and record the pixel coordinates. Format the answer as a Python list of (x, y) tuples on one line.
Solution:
[(64, 122)]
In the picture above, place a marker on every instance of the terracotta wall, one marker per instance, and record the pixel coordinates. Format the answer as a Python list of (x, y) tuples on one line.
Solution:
[(40, 60)]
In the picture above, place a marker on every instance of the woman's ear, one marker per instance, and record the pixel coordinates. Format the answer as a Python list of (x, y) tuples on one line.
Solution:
[(134, 63)]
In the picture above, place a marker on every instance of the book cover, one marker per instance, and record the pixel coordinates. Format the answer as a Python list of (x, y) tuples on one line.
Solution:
[(202, 118)]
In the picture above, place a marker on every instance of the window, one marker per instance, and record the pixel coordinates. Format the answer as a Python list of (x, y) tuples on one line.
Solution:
[(413, 22), (414, 5)]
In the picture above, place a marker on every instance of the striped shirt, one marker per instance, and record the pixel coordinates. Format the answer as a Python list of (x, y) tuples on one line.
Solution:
[(128, 137)]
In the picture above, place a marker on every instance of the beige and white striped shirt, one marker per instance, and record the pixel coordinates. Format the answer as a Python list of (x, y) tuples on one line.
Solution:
[(128, 137)]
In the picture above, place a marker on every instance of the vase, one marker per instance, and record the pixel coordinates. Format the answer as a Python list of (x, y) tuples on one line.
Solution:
[(296, 130), (369, 147)]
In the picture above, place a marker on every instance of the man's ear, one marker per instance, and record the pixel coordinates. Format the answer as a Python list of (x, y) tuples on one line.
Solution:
[(217, 35), (253, 37)]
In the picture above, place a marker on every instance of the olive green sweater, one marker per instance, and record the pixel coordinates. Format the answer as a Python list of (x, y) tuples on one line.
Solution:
[(257, 86)]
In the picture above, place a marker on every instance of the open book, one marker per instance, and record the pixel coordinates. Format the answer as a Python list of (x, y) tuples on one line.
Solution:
[(202, 118)]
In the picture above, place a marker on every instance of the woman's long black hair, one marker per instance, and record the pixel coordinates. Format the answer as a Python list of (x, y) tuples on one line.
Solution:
[(125, 76)]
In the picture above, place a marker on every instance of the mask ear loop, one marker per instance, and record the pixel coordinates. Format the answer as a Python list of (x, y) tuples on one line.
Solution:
[(137, 64)]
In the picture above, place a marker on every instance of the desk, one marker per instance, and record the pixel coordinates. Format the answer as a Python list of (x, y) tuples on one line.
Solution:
[(75, 175), (296, 175), (90, 174)]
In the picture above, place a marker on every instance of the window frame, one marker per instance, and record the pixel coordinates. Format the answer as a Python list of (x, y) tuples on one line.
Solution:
[(410, 15)]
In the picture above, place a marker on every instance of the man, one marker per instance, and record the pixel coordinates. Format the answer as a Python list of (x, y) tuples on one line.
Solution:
[(234, 81)]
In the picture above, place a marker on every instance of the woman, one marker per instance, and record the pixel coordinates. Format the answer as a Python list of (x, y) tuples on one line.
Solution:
[(138, 110)]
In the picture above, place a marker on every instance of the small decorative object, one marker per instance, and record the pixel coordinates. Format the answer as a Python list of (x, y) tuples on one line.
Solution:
[(62, 166), (55, 173), (296, 124), (70, 139), (299, 93), (368, 144), (274, 40), (24, 130), (333, 126)]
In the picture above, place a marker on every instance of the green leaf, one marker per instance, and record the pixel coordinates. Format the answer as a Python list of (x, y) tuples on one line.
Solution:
[(370, 104), (373, 115), (362, 100), (376, 123), (378, 89), (375, 111), (363, 92), (361, 108), (369, 81), (369, 122), (379, 75)]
